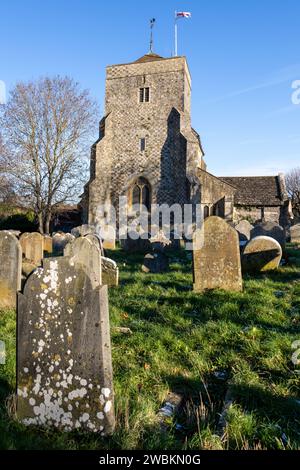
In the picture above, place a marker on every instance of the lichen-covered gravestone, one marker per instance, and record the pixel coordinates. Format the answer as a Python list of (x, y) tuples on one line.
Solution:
[(33, 247), (64, 370), (10, 269), (261, 254), (295, 233), (216, 256)]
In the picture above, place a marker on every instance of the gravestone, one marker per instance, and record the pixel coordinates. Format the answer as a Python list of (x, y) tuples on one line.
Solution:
[(295, 233), (244, 230), (216, 256), (33, 247), (17, 233), (270, 229), (108, 236), (261, 254), (110, 272), (86, 252), (136, 245), (82, 230), (156, 262), (109, 244), (60, 241), (22, 239), (64, 372), (10, 269), (48, 247), (94, 238)]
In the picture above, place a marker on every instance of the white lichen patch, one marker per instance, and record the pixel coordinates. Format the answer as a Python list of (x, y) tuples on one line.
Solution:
[(107, 406), (84, 417), (105, 392), (102, 400), (41, 345)]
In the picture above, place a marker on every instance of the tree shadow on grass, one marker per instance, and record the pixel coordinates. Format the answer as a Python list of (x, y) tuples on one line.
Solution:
[(281, 409)]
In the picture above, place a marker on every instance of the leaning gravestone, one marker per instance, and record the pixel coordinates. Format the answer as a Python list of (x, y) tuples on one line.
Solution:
[(244, 230), (295, 233), (216, 256), (64, 372), (270, 229), (10, 269), (261, 254)]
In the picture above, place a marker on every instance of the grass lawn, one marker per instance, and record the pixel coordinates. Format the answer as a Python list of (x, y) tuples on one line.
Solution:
[(200, 346)]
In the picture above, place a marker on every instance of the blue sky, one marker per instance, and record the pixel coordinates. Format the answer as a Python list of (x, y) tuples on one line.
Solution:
[(243, 57)]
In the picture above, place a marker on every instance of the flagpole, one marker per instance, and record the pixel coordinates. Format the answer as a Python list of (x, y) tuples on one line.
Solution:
[(176, 34)]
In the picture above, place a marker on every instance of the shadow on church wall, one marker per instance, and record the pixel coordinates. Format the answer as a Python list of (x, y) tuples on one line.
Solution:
[(172, 187)]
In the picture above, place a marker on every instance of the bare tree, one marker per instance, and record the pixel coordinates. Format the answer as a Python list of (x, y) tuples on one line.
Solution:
[(7, 193), (292, 179), (46, 127)]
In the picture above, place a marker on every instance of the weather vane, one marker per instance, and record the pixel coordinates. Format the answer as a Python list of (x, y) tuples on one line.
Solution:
[(152, 21)]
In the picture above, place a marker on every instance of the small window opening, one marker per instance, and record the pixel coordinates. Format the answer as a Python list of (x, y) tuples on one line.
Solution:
[(142, 144), (144, 95)]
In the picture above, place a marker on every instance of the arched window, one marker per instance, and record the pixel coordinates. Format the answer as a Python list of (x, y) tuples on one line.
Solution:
[(206, 212), (140, 193)]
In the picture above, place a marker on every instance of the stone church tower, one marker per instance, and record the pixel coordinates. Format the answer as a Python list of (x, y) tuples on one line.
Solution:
[(147, 149)]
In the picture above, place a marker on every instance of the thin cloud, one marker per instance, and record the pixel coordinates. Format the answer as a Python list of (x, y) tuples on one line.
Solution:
[(255, 141), (284, 110), (269, 168), (285, 74)]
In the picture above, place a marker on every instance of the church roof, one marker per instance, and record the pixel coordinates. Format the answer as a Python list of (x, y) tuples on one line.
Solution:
[(150, 57), (257, 190)]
